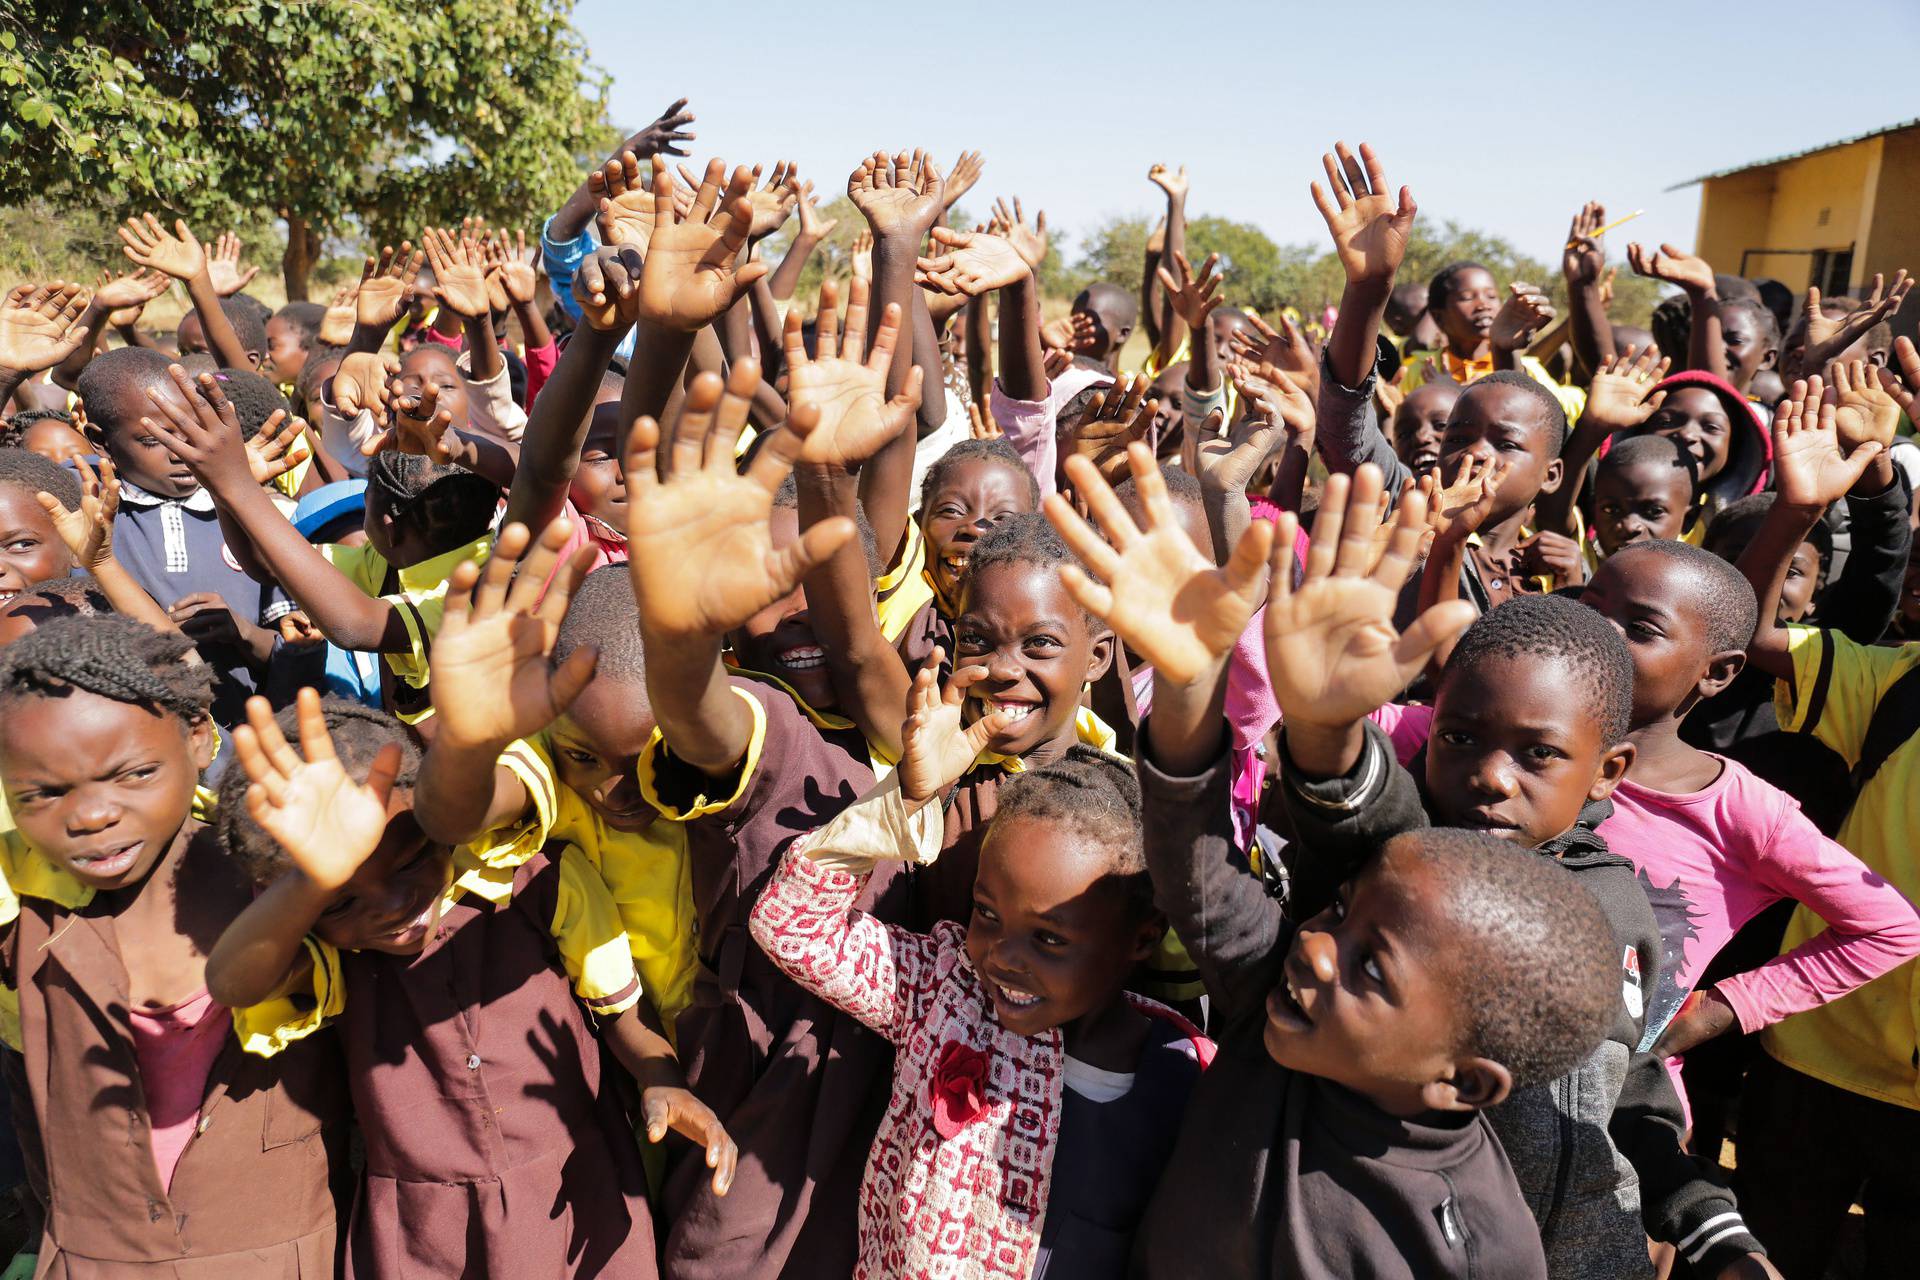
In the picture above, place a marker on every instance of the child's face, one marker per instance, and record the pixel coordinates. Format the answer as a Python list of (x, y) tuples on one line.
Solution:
[(286, 350), (1695, 419), (1222, 324), (30, 548), (1492, 421), (1746, 346), (1646, 500), (596, 752), (1803, 579), (431, 363), (55, 440), (1649, 598), (599, 485), (99, 787), (1050, 942), (972, 497), (1472, 302), (137, 454), (1167, 413), (1420, 423), (780, 639), (394, 900), (190, 339), (1039, 651), (1364, 1000), (1516, 751), (1109, 328)]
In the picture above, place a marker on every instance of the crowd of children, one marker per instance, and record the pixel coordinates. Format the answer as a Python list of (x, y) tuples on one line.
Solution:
[(657, 785)]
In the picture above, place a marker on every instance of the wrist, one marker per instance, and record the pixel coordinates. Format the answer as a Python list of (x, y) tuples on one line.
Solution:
[(1369, 293)]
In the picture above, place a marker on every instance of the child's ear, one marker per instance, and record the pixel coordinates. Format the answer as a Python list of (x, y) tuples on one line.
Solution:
[(1721, 669), (1099, 655), (200, 743), (1767, 361), (1613, 767), (1477, 1083), (1551, 477)]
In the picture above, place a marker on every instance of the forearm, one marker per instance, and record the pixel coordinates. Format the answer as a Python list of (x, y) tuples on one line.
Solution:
[(1590, 330), (1203, 368), (221, 339), (1289, 485), (1554, 511), (369, 337), (67, 372), (1706, 349), (641, 1046), (869, 679), (134, 336), (1764, 565), (1149, 304), (704, 723), (129, 597), (1172, 327), (781, 283), (978, 337), (765, 313), (550, 446), (570, 221), (483, 350), (446, 323), (659, 358), (265, 944), (1187, 728), (11, 380), (448, 805), (346, 616), (888, 475), (1439, 583), (533, 325), (1356, 330), (485, 456), (1023, 374), (1861, 599)]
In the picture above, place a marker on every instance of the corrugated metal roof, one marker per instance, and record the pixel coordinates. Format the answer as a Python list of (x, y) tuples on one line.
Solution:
[(1795, 155)]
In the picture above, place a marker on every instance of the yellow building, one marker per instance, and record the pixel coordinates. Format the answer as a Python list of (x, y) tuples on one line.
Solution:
[(1830, 216)]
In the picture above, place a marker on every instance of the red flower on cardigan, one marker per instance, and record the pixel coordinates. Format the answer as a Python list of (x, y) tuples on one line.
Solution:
[(957, 1089)]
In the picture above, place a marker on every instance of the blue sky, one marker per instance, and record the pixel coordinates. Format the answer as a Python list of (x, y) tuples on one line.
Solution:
[(1504, 116)]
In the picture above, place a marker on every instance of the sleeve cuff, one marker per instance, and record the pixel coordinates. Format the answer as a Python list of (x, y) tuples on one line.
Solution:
[(267, 1028), (1356, 790), (657, 755), (878, 828)]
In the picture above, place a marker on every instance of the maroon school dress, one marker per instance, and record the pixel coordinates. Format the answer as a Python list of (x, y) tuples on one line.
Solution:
[(493, 1148)]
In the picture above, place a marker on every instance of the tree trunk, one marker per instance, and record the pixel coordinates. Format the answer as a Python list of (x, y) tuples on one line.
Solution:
[(303, 250)]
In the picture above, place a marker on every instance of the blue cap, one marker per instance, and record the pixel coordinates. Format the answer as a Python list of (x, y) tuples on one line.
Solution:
[(329, 503)]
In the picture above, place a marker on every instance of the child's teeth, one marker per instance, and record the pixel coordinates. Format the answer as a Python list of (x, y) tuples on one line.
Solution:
[(804, 658), (1015, 996)]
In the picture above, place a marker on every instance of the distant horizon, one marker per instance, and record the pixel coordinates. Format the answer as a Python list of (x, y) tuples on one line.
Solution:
[(772, 94)]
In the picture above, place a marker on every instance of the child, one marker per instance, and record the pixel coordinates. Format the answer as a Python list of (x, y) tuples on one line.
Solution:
[(47, 432), (1034, 1102), (1421, 421), (168, 532), (493, 1144), (1647, 488), (31, 549), (1833, 1100), (1340, 1130), (292, 334), (1719, 427), (138, 1092)]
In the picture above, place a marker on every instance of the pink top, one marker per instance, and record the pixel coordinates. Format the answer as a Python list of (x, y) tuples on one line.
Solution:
[(175, 1048), (1029, 424), (1713, 859), (540, 363), (608, 547)]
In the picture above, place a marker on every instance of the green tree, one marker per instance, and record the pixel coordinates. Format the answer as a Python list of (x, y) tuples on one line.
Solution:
[(378, 114)]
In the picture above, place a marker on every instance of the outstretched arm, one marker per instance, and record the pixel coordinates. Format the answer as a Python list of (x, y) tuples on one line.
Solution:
[(1618, 399), (182, 257)]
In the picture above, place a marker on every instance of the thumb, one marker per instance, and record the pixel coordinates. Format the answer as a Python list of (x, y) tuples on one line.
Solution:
[(816, 545), (52, 505), (1429, 631), (658, 1114), (571, 677)]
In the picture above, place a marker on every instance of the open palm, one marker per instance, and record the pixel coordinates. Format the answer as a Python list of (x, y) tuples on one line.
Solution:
[(328, 823), (937, 746), (1809, 467), (150, 245), (897, 196), (39, 326), (87, 531), (1370, 228), (974, 263)]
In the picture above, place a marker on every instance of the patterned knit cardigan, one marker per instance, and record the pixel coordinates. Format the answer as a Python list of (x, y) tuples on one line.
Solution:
[(967, 1205)]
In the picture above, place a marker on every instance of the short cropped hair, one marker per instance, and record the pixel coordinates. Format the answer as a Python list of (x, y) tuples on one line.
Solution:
[(1531, 956), (1441, 287), (996, 449), (1553, 415), (304, 318), (1563, 630), (1097, 797), (604, 614), (29, 473), (254, 397), (1655, 450), (111, 375), (1719, 592)]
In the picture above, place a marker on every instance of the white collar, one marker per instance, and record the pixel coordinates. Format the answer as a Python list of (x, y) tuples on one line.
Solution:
[(133, 495)]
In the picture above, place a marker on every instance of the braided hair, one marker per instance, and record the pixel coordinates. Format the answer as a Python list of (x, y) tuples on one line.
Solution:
[(451, 505), (1097, 798), (112, 657)]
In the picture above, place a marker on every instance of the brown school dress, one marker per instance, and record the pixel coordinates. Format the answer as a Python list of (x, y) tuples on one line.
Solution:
[(800, 1086), (493, 1148), (927, 630), (253, 1195)]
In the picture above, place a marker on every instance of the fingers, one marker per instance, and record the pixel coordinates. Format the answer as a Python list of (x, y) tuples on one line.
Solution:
[(826, 335), (540, 563), (695, 421), (498, 574), (743, 380), (1418, 643), (816, 546), (1327, 521), (1364, 505)]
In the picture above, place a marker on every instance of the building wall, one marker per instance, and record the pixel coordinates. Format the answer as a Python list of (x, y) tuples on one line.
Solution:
[(1868, 192), (1734, 212)]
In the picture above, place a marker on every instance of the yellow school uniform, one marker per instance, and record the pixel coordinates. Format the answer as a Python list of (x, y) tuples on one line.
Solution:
[(1863, 1041), (1414, 373), (420, 599), (905, 588)]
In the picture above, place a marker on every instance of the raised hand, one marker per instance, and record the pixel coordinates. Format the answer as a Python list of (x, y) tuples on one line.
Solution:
[(87, 532), (1115, 418), (960, 180), (223, 266), (661, 137), (205, 434), (1072, 332), (1617, 398), (150, 245), (975, 263), (1551, 555), (1456, 511), (1288, 350), (128, 293), (1369, 228), (1695, 275), (1584, 257), (1171, 181), (849, 396), (981, 423), (362, 382), (675, 1107), (40, 325), (900, 197), (328, 823), (701, 552), (278, 447), (336, 326), (421, 425), (1166, 600), (1029, 241), (691, 274), (1828, 336), (1811, 468), (386, 285), (1525, 312), (937, 746), (459, 272), (1332, 650), (812, 228), (625, 204), (1194, 295), (491, 681), (860, 259), (1904, 386), (1863, 410), (607, 287), (774, 200)]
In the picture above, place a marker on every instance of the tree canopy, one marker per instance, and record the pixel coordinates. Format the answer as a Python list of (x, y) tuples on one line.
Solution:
[(382, 114)]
